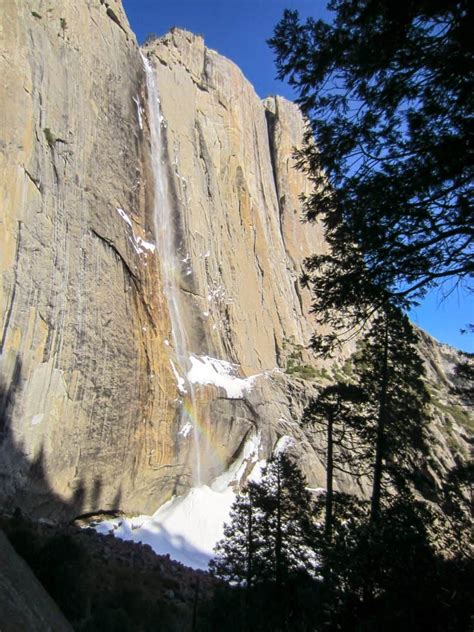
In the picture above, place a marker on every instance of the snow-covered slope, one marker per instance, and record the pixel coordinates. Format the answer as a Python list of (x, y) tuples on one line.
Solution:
[(188, 527)]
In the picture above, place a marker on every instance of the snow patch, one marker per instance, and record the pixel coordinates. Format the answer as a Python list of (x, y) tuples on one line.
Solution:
[(218, 293), (316, 490), (207, 370), (181, 382), (139, 110), (37, 419), (145, 245), (186, 429), (257, 471), (188, 527), (140, 245), (234, 474), (283, 444), (124, 216)]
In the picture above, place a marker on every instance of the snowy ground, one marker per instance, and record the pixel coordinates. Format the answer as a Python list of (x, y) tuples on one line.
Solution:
[(188, 527)]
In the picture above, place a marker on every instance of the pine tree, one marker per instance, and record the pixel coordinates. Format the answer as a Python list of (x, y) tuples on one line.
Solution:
[(337, 413), (388, 91), (390, 372), (269, 532), (284, 520), (267, 548), (235, 560)]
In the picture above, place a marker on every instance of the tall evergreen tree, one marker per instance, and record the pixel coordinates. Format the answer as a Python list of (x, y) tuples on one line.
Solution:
[(269, 533), (285, 507), (337, 413), (267, 546), (236, 554), (390, 372), (388, 90)]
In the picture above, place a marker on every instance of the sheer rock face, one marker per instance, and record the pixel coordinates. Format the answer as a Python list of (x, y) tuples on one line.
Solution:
[(85, 421), (238, 197), (89, 412), (91, 418), (241, 242)]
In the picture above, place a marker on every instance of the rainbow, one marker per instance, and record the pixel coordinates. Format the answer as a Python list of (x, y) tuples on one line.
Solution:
[(205, 443)]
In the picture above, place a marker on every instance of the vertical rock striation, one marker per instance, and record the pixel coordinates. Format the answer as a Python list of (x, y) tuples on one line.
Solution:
[(86, 405), (237, 197)]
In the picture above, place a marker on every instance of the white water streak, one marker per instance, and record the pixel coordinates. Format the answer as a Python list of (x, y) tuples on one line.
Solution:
[(166, 239)]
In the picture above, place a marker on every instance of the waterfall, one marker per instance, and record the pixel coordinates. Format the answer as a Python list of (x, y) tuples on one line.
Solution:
[(171, 265)]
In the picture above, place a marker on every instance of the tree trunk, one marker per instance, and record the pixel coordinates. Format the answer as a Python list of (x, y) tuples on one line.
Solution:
[(329, 477), (380, 441), (278, 539), (248, 588), (280, 596), (249, 548)]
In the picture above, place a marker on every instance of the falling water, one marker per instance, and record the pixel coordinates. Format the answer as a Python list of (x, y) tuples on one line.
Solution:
[(170, 263)]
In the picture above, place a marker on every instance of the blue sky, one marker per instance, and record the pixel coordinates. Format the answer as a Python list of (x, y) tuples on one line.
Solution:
[(239, 29)]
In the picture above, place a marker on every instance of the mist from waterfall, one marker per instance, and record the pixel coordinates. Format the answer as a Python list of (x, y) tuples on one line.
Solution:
[(170, 263)]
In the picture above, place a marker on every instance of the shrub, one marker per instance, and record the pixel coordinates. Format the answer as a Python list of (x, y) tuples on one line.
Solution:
[(50, 139)]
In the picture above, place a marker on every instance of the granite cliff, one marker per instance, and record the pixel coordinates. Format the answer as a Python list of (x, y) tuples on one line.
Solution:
[(90, 377), (153, 332)]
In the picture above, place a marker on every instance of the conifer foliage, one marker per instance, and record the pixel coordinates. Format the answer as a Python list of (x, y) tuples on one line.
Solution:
[(390, 373), (267, 553), (338, 414), (388, 90), (269, 535)]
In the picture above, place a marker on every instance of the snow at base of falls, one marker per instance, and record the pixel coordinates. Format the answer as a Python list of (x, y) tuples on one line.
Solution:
[(207, 370), (283, 444), (188, 527)]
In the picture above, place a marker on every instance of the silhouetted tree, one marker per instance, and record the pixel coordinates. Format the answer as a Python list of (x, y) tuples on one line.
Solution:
[(269, 529), (267, 548), (388, 90), (378, 424), (235, 560), (337, 412), (390, 372), (454, 524)]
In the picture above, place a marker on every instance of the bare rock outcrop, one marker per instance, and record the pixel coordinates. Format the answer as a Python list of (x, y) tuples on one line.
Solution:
[(90, 404), (242, 243), (240, 214)]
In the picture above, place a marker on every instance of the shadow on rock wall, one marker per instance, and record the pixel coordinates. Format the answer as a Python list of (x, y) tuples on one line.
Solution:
[(24, 482)]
